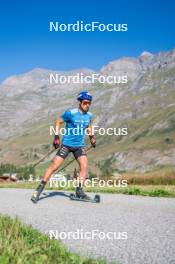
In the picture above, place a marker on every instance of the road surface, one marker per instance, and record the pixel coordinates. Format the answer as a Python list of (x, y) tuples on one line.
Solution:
[(142, 229)]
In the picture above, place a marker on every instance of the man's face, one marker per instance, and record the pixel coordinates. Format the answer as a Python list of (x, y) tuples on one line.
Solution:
[(85, 104)]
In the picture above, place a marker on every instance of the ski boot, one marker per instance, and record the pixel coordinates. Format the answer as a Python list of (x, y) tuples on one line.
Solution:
[(37, 192), (35, 197), (81, 194)]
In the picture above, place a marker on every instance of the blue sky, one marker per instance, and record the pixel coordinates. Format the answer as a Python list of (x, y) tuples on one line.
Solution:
[(27, 43)]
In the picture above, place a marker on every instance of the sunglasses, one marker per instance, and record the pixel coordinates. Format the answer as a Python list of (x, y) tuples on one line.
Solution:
[(86, 102)]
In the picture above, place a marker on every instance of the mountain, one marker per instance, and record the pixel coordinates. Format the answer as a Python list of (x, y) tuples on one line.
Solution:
[(28, 98), (145, 105)]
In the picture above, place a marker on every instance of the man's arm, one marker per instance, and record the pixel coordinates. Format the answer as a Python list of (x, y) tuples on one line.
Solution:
[(65, 117), (58, 124), (56, 141), (91, 135)]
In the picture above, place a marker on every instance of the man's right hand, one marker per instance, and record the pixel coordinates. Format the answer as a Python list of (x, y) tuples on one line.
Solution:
[(93, 141), (56, 142)]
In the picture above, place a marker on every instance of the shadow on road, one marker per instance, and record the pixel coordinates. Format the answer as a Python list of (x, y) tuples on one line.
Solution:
[(51, 194)]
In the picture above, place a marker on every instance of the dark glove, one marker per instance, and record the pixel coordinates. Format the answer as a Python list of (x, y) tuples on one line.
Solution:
[(93, 141), (56, 141)]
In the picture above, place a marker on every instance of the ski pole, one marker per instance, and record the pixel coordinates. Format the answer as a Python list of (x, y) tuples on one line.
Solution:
[(50, 152), (40, 160)]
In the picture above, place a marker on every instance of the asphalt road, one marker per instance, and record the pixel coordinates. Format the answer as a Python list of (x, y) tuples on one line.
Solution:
[(143, 228)]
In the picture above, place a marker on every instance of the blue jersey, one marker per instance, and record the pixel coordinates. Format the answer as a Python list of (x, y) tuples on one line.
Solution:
[(76, 124)]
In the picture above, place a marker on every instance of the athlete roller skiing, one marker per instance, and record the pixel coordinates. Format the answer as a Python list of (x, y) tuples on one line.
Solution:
[(72, 142)]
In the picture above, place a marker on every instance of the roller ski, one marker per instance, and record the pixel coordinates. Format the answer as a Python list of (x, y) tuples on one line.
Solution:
[(81, 196)]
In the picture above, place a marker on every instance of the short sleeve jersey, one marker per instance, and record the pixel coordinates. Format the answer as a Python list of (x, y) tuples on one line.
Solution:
[(76, 124)]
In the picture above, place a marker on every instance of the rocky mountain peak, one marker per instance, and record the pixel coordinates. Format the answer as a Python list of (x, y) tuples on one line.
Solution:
[(124, 66), (145, 57)]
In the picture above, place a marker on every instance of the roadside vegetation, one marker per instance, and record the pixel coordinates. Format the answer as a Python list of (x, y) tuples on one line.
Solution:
[(160, 182), (22, 244)]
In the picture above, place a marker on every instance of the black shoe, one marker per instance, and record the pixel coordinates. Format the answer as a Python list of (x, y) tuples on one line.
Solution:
[(80, 193)]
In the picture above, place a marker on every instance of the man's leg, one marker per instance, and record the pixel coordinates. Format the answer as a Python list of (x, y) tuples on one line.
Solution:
[(83, 164), (56, 163)]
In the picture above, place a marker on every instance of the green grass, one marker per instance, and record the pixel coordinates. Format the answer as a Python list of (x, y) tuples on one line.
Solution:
[(153, 192), (21, 244), (157, 191), (134, 189)]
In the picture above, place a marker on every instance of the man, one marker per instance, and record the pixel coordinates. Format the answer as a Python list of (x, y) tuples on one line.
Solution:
[(77, 121)]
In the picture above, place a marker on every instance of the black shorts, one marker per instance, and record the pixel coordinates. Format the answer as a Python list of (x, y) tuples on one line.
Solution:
[(77, 152)]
